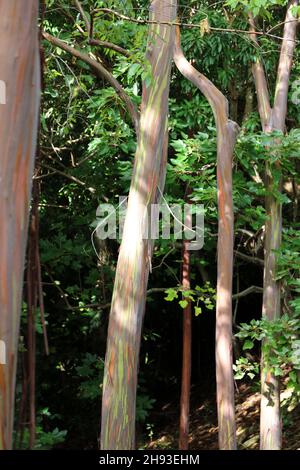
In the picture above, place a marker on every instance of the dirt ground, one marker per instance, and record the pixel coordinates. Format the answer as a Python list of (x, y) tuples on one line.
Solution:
[(203, 423)]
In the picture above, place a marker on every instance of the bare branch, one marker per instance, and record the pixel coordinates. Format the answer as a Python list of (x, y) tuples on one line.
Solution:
[(215, 98), (70, 177), (249, 259), (110, 45), (97, 42), (41, 300), (186, 25), (101, 72), (249, 290), (83, 15), (68, 15), (282, 24)]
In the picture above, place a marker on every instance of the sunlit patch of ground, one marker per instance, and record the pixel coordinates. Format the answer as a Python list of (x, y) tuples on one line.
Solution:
[(203, 424)]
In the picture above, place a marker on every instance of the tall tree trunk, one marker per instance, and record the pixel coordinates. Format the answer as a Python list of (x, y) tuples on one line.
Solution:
[(128, 302), (273, 119), (20, 74), (226, 137), (187, 345)]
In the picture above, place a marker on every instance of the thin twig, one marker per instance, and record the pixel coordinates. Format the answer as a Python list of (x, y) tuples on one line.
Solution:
[(249, 259), (110, 45), (70, 177), (249, 290), (41, 300), (83, 15), (102, 72), (186, 25)]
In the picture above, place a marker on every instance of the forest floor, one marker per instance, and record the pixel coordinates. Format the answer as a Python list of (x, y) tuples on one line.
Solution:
[(203, 423)]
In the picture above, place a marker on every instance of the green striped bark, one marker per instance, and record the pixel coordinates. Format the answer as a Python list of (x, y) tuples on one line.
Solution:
[(227, 132), (20, 73), (270, 421), (273, 119), (128, 302)]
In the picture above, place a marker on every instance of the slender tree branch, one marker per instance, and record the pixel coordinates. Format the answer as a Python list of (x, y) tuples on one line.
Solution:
[(213, 95), (261, 85), (108, 305), (249, 259), (186, 25), (244, 293), (84, 16), (60, 290), (162, 290), (97, 42), (92, 306), (249, 290), (70, 177), (282, 24), (68, 15), (109, 45), (101, 72), (41, 300)]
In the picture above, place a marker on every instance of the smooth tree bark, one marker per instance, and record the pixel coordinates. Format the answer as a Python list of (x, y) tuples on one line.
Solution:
[(128, 302), (187, 345), (273, 119), (20, 74), (227, 132)]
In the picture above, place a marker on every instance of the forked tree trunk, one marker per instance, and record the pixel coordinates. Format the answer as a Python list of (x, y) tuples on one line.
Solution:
[(20, 79), (128, 302), (226, 137), (273, 119)]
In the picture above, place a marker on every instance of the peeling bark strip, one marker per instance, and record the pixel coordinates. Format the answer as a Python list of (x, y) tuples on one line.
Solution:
[(273, 119), (227, 132), (20, 71), (128, 302)]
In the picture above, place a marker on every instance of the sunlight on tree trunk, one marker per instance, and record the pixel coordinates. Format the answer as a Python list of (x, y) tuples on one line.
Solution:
[(271, 120), (227, 132), (20, 72), (128, 302)]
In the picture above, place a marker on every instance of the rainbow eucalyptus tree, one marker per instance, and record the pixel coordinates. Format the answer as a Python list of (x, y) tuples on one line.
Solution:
[(19, 104), (129, 295), (273, 119), (227, 132)]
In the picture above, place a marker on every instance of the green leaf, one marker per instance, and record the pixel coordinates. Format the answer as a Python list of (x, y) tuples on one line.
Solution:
[(171, 295), (248, 344), (183, 303)]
